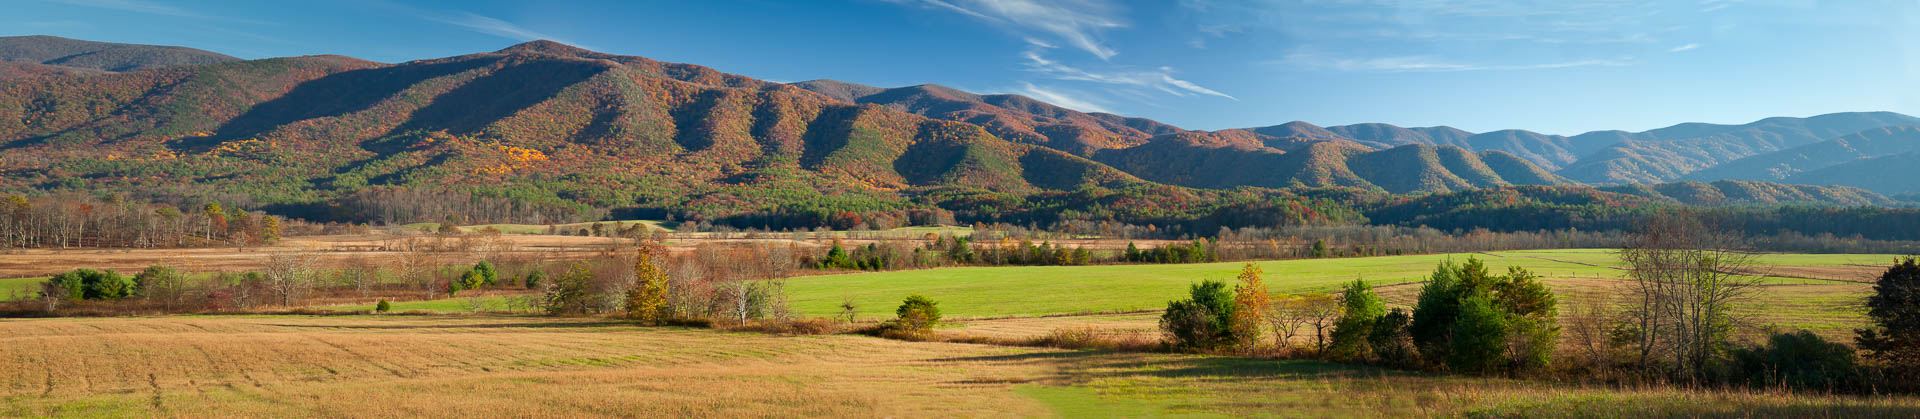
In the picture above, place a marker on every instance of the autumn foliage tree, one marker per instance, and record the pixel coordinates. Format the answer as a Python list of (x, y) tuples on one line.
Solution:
[(646, 301), (1251, 302)]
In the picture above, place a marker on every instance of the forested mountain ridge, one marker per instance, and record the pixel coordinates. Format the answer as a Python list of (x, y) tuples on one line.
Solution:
[(540, 130), (1789, 164), (1139, 145), (534, 119), (1281, 156), (103, 56)]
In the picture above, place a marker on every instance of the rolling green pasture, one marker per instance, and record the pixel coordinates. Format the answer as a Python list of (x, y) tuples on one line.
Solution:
[(1041, 290)]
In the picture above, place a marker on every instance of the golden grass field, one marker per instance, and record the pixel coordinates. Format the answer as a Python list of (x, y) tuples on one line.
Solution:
[(488, 366)]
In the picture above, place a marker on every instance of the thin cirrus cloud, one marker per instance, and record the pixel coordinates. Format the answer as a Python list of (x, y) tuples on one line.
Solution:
[(1075, 23), (1422, 64), (1059, 97), (1161, 79), (151, 8), (1687, 47), (495, 27)]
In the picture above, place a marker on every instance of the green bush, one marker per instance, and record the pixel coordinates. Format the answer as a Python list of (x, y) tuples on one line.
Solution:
[(534, 279), (1360, 309), (1800, 360), (918, 313), (1521, 338), (88, 284), (1390, 342), (488, 275), (1479, 340), (1200, 321), (383, 306)]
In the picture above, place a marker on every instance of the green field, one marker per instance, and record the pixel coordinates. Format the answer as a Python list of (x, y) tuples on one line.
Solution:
[(1039, 290), (19, 288)]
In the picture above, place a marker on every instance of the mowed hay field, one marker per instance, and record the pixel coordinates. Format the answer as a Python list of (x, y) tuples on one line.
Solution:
[(465, 366), (1822, 293)]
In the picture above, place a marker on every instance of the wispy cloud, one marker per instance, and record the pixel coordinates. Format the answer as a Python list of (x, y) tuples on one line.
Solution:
[(1059, 97), (1716, 5), (1160, 79), (1687, 47), (495, 27), (1212, 31), (1075, 23), (147, 7), (1428, 64)]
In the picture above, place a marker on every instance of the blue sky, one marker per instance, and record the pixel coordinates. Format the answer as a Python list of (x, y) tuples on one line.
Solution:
[(1554, 66)]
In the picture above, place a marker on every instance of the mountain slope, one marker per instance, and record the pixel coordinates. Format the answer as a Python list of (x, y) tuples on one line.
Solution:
[(1012, 117), (57, 51), (1191, 159), (1672, 152), (541, 121), (1781, 165), (1892, 174)]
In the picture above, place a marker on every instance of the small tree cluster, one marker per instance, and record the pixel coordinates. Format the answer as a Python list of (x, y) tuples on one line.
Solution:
[(88, 284), (1196, 252), (1470, 320)]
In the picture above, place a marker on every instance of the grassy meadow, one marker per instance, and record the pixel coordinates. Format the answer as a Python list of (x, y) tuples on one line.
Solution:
[(17, 288), (1821, 293), (1043, 291), (466, 366), (1052, 290)]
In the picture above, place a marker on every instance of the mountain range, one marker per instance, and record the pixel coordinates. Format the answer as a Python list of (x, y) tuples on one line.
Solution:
[(543, 121)]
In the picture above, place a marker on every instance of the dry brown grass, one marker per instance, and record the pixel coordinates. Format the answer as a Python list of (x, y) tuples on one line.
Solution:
[(471, 366), (443, 366)]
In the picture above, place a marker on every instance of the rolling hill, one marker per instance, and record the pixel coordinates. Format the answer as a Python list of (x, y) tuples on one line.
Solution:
[(103, 56), (540, 119)]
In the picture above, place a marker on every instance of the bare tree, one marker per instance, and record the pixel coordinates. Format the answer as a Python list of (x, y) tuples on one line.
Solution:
[(1320, 311), (289, 274), (416, 264), (1685, 278), (1287, 315), (1589, 328), (359, 273)]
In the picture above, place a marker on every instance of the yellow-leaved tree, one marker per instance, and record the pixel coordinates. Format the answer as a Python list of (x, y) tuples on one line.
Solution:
[(1251, 302), (647, 300)]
